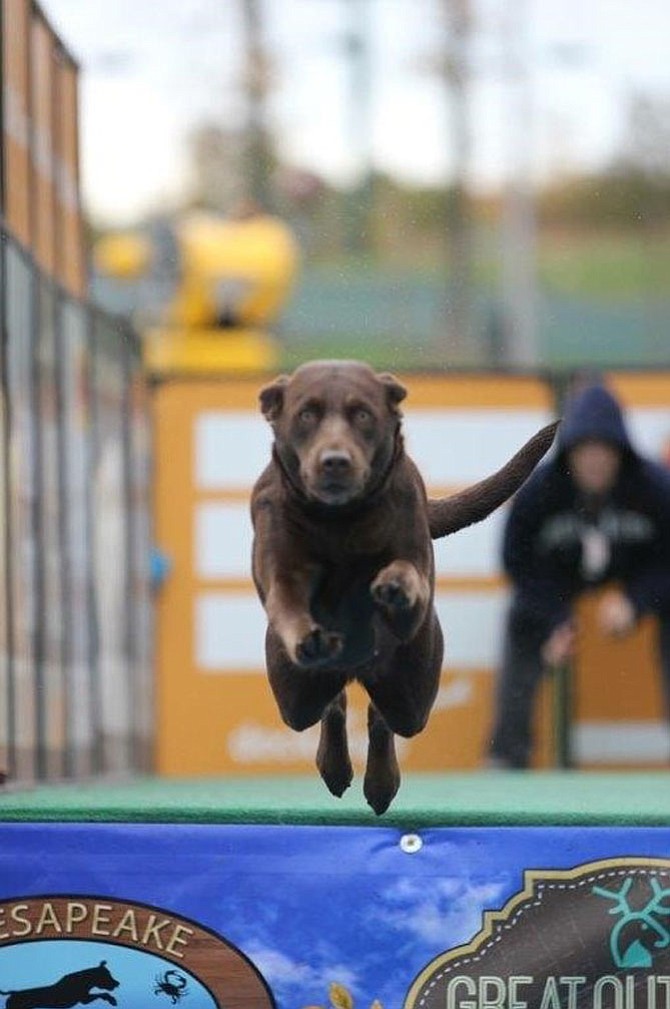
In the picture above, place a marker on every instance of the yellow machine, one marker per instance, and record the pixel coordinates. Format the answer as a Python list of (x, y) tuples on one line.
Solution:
[(228, 280)]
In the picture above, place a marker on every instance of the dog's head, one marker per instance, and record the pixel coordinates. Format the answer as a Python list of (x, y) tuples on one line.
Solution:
[(336, 427)]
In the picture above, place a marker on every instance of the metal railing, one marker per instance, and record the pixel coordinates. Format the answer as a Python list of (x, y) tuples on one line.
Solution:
[(75, 608)]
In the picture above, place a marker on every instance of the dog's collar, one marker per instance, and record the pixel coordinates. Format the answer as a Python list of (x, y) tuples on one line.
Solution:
[(355, 507)]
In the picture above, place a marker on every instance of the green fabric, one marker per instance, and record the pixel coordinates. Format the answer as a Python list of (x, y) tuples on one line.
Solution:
[(426, 800)]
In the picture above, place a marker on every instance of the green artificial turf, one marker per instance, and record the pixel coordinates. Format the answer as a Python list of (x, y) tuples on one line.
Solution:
[(484, 798)]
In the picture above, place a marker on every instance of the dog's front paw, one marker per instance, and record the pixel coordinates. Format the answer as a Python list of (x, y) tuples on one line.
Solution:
[(391, 594), (397, 587), (318, 647), (401, 596)]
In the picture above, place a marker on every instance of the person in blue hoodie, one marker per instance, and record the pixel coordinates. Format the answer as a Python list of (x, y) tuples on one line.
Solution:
[(596, 512)]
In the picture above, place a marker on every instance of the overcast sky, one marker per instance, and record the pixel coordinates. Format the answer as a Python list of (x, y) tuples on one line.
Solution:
[(152, 70)]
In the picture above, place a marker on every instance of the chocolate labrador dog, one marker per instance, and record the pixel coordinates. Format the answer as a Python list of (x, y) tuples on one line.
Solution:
[(343, 561)]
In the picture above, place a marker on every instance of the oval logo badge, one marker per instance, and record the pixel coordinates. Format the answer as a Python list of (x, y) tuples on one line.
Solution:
[(59, 952), (593, 937)]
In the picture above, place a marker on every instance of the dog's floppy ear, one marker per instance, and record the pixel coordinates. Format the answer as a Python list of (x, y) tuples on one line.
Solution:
[(272, 398), (394, 390)]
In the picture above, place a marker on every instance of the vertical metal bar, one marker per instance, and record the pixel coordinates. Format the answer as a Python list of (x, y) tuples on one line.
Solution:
[(132, 733), (140, 541), (54, 600), (68, 761), (98, 750), (562, 692), (563, 716), (49, 555), (19, 316), (37, 525), (90, 657), (7, 614), (147, 625), (67, 758)]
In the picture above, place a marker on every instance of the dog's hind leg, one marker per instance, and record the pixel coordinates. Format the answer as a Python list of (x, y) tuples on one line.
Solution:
[(302, 695), (401, 700), (405, 691), (382, 774), (332, 757)]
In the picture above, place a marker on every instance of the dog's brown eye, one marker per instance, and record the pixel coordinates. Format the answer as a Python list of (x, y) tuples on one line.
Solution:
[(362, 416), (307, 416)]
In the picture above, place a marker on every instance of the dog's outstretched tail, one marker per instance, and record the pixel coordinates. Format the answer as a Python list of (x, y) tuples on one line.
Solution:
[(448, 515)]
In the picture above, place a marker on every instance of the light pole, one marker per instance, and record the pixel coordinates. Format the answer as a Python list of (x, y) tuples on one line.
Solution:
[(459, 227), (256, 149), (519, 229), (359, 103)]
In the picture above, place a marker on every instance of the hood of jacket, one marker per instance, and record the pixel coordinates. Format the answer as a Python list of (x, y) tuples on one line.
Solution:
[(594, 413)]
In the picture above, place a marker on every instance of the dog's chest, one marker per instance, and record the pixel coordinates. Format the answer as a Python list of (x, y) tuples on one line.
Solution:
[(351, 544), (342, 602)]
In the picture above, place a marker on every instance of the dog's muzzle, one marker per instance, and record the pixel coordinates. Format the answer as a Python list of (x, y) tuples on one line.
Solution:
[(336, 479), (335, 465)]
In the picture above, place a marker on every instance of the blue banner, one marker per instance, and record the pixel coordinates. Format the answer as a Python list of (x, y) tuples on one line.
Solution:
[(297, 917)]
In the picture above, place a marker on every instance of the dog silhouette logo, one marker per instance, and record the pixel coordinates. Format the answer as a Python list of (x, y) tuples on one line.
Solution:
[(60, 952), (70, 990)]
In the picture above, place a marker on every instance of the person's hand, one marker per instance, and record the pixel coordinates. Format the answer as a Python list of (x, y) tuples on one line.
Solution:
[(560, 645), (616, 614)]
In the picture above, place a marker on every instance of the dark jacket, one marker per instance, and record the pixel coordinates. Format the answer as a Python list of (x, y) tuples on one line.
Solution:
[(558, 543)]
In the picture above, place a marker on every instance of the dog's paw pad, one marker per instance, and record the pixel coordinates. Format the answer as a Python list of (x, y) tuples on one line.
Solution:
[(392, 595), (319, 646)]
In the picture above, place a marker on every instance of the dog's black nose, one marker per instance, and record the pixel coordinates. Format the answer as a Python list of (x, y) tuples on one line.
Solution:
[(335, 463)]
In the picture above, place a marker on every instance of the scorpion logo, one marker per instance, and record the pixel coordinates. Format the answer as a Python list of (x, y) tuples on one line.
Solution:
[(173, 984), (653, 934)]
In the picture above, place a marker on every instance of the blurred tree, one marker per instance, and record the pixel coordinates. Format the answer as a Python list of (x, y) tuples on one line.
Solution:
[(617, 200), (633, 191), (646, 145)]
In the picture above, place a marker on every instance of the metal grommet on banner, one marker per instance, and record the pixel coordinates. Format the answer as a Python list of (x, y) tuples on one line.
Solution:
[(411, 843)]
